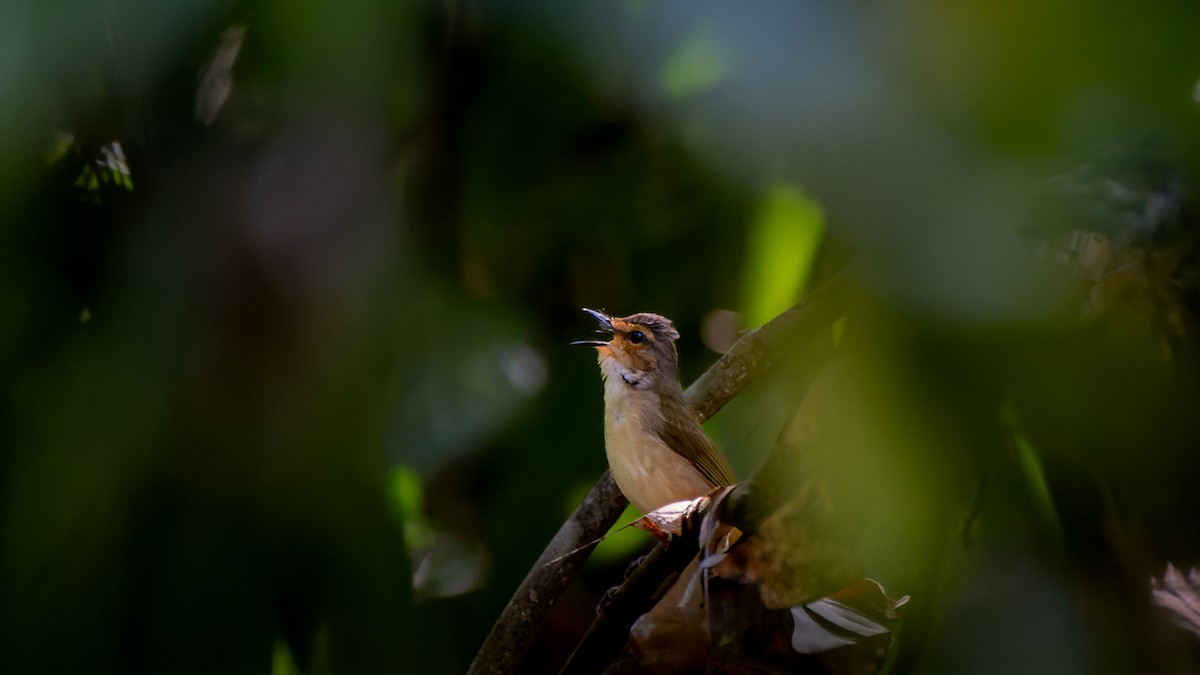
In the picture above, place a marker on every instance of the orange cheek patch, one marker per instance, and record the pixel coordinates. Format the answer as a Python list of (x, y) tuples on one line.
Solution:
[(632, 357)]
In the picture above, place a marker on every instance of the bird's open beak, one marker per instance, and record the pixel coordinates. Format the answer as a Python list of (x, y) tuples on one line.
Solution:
[(605, 324)]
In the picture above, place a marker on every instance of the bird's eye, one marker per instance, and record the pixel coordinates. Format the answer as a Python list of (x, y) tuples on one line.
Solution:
[(637, 337)]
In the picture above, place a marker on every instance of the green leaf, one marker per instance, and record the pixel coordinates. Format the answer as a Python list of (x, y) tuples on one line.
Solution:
[(783, 241)]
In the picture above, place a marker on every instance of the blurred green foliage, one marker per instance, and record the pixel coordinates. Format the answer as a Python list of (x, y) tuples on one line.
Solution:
[(320, 350), (782, 244)]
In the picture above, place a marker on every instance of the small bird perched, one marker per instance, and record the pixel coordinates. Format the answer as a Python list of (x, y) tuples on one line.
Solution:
[(656, 449)]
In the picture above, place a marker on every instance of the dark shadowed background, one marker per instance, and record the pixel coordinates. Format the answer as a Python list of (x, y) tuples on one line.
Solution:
[(286, 291)]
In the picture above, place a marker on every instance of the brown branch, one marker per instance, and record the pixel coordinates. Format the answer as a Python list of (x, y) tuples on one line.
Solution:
[(755, 352), (759, 348), (549, 576), (633, 598)]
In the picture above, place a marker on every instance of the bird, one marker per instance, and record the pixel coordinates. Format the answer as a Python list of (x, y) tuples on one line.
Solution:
[(656, 449)]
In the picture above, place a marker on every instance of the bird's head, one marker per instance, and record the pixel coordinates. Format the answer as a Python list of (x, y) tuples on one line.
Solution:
[(641, 350)]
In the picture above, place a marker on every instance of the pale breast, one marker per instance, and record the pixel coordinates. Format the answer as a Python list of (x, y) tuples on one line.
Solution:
[(649, 473)]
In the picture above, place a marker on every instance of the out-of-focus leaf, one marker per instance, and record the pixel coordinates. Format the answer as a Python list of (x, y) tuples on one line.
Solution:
[(847, 632), (1179, 596), (1128, 232), (452, 565), (111, 168), (216, 81), (282, 662), (859, 611), (1031, 467), (445, 563), (406, 491), (846, 618), (781, 247), (792, 557), (696, 65), (61, 145), (811, 637)]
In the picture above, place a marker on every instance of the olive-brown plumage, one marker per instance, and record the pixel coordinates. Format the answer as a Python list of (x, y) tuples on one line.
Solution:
[(657, 451)]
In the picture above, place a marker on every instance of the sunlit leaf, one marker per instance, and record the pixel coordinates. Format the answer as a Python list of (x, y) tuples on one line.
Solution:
[(406, 492), (670, 518), (1031, 467), (782, 244)]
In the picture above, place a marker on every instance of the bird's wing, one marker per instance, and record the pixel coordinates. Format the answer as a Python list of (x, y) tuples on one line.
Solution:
[(685, 437)]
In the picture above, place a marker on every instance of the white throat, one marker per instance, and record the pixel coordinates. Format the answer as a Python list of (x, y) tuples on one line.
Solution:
[(619, 378)]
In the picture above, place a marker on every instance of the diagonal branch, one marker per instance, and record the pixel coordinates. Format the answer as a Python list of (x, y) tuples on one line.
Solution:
[(753, 354), (640, 591), (546, 580), (759, 348)]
